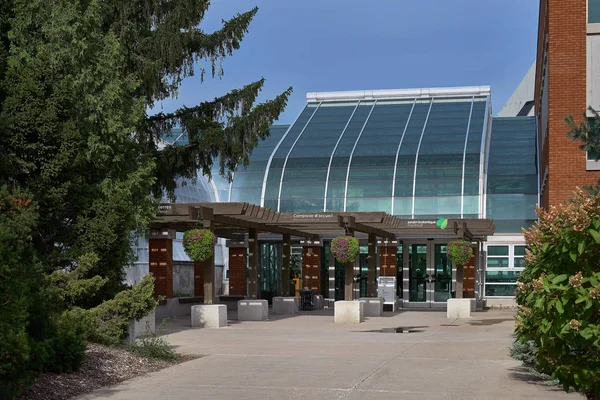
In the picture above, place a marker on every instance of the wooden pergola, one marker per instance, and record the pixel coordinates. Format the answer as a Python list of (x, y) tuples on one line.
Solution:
[(235, 220)]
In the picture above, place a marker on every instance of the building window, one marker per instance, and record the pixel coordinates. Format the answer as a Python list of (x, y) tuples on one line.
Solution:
[(593, 11), (504, 265)]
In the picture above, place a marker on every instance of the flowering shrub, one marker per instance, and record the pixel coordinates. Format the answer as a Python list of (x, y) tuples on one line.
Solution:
[(559, 293), (459, 252), (344, 248), (199, 244)]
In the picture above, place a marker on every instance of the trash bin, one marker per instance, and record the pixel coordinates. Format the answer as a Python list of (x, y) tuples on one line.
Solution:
[(307, 300)]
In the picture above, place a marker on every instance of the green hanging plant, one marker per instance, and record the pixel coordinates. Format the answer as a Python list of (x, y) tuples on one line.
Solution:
[(199, 244), (344, 248), (459, 252)]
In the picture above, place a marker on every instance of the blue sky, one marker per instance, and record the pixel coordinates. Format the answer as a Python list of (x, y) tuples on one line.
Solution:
[(329, 45)]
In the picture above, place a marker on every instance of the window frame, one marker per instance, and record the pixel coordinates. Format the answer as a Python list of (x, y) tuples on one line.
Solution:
[(512, 267)]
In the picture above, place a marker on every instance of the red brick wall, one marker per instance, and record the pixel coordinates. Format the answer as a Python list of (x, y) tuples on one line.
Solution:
[(565, 23), (237, 271), (387, 260), (161, 266), (311, 268)]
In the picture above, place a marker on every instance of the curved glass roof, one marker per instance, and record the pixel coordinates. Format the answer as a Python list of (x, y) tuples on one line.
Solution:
[(408, 153)]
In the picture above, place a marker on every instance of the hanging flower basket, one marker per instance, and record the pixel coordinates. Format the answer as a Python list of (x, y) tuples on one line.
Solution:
[(344, 248), (199, 244), (459, 252)]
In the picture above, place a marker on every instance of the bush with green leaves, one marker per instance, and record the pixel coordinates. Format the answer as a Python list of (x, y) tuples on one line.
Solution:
[(110, 320), (459, 252), (559, 293)]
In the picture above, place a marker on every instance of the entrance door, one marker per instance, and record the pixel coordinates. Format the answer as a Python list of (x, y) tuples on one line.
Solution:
[(429, 275)]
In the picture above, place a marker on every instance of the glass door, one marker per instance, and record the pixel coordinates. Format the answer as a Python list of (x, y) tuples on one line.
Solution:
[(429, 275), (418, 274)]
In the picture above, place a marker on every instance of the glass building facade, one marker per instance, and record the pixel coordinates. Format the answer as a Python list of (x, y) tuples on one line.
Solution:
[(413, 157), (423, 153)]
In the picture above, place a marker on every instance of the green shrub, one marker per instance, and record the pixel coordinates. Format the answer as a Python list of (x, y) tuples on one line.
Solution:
[(112, 318), (559, 293), (153, 345), (69, 341)]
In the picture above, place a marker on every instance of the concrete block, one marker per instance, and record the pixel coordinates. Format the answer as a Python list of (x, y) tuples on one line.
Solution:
[(139, 327), (373, 306), (209, 316), (285, 305), (319, 302), (459, 308), (349, 312), (253, 310)]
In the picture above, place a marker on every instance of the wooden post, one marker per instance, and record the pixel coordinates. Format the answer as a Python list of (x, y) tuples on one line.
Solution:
[(253, 263), (286, 258), (372, 266)]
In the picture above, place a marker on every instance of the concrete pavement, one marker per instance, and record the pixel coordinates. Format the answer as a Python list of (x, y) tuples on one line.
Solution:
[(308, 356)]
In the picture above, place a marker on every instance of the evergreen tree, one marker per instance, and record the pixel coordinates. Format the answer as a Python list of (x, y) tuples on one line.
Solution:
[(77, 80)]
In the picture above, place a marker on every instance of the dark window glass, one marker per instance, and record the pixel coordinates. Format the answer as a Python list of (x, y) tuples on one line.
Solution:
[(497, 251)]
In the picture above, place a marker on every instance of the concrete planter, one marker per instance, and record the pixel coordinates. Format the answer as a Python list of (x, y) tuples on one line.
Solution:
[(139, 327), (285, 305), (209, 316), (373, 306), (459, 308), (253, 310), (349, 312)]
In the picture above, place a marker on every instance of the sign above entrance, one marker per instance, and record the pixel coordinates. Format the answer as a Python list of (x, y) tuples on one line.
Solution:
[(442, 223)]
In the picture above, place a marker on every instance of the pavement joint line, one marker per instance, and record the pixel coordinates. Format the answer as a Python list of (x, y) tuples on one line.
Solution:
[(300, 388), (353, 388)]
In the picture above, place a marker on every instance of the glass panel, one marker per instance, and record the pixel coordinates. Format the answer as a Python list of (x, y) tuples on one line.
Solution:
[(369, 204), (403, 206), (418, 269), (497, 251), (471, 206), (511, 206), (593, 11), (520, 250), (443, 274), (497, 262), (302, 205), (437, 205), (502, 276), (500, 290), (513, 226), (519, 262)]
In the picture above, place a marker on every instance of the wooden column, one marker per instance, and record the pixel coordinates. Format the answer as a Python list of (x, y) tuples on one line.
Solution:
[(160, 247), (209, 280), (372, 266), (286, 258), (237, 270), (311, 268), (469, 276), (253, 263), (199, 278)]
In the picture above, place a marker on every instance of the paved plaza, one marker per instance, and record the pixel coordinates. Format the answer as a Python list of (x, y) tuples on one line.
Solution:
[(307, 356)]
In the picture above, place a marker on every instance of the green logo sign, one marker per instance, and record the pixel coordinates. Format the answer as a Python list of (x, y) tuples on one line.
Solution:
[(442, 223)]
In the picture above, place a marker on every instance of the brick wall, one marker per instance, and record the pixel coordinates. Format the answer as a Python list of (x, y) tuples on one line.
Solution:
[(311, 268), (387, 260), (161, 266), (565, 24), (237, 271)]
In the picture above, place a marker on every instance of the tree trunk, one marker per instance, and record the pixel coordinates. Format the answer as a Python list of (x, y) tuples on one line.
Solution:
[(459, 281)]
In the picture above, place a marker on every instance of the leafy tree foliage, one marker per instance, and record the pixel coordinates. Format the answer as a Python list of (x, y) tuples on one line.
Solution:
[(77, 81), (559, 293)]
